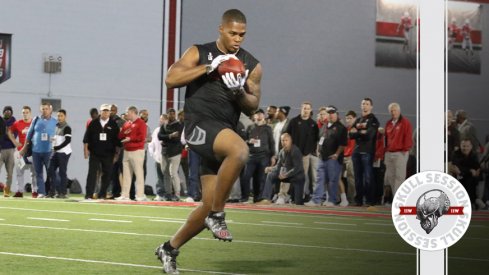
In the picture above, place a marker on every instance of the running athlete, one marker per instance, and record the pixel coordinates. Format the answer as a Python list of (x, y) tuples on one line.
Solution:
[(212, 108), (405, 24)]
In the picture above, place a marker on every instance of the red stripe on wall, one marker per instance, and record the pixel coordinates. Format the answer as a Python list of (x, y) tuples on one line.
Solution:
[(390, 29), (171, 47)]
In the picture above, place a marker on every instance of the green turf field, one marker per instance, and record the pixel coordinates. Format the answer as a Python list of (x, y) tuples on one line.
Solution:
[(48, 236)]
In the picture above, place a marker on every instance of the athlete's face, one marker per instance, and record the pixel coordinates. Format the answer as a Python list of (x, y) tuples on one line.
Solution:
[(232, 35), (349, 120), (26, 114), (366, 107), (395, 113), (61, 117), (306, 110), (466, 147), (286, 142)]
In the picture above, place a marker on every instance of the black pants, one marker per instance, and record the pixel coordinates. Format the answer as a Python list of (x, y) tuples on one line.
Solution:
[(116, 170), (255, 168), (96, 163)]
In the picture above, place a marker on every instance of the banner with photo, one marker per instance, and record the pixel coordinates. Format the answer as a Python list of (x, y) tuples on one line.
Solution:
[(464, 37), (5, 53), (396, 33)]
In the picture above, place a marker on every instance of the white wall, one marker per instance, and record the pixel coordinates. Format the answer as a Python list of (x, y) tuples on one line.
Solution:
[(111, 52)]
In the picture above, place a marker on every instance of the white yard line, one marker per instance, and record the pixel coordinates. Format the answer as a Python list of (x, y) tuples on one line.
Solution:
[(47, 219), (284, 223), (379, 224), (336, 223), (104, 262), (210, 239), (166, 220), (105, 220)]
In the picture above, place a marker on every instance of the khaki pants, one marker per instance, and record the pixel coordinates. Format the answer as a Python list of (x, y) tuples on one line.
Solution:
[(133, 163), (7, 157), (310, 163), (395, 169), (172, 164), (349, 174)]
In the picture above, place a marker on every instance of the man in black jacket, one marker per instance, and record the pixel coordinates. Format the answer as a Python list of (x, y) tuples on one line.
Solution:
[(172, 151), (364, 131), (102, 147), (304, 132), (259, 138)]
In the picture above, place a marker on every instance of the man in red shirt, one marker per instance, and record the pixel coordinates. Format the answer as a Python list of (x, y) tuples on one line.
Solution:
[(19, 129), (133, 138), (398, 137)]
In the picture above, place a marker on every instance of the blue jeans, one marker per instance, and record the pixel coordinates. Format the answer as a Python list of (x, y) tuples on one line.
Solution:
[(58, 161), (193, 185), (40, 160), (255, 168), (328, 173), (363, 169)]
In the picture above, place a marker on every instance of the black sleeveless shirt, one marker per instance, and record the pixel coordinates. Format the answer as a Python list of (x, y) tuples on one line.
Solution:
[(207, 97)]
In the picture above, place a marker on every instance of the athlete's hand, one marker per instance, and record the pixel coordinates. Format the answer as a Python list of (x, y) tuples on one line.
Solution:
[(235, 83), (218, 60)]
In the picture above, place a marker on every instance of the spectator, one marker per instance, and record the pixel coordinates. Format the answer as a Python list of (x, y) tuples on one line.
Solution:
[(304, 133), (60, 157), (93, 115), (378, 167), (467, 130), (453, 135), (154, 150), (364, 131), (347, 162), (288, 171), (133, 138), (102, 148), (42, 129), (322, 117), (184, 155), (261, 147), (7, 149), (281, 126), (19, 129), (172, 150), (271, 118), (466, 168), (117, 166), (144, 115), (332, 141), (398, 142)]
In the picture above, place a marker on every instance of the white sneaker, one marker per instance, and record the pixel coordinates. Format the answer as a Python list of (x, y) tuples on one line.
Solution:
[(122, 198), (189, 199), (41, 196), (328, 204), (344, 203), (158, 198), (280, 201), (311, 203), (142, 199)]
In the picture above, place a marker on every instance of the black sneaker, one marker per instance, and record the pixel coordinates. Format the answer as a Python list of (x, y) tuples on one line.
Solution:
[(168, 259), (217, 225)]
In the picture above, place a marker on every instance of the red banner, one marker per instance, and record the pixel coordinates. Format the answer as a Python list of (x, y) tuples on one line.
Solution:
[(411, 210), (5, 53)]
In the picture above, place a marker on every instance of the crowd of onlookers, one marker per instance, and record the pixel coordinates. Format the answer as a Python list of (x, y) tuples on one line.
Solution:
[(325, 160)]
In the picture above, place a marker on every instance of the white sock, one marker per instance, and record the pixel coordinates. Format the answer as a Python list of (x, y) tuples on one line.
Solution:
[(343, 197)]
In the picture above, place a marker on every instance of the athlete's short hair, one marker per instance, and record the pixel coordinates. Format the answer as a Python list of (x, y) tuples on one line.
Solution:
[(233, 15), (62, 111)]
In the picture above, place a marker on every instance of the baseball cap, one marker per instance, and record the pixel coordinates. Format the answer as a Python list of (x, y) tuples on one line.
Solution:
[(105, 107), (331, 109), (284, 109)]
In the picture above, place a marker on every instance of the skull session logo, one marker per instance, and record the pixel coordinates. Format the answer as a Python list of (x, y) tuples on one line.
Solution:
[(431, 210)]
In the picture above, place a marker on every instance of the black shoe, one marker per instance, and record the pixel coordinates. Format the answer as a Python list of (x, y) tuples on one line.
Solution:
[(217, 225), (232, 201), (168, 258)]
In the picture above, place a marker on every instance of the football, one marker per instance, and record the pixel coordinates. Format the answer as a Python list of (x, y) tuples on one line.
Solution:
[(231, 66)]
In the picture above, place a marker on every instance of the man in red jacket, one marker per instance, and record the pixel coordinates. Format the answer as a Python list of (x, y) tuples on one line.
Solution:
[(398, 139), (133, 138)]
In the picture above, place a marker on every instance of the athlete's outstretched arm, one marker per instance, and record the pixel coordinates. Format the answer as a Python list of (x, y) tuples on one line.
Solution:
[(185, 70), (249, 101)]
